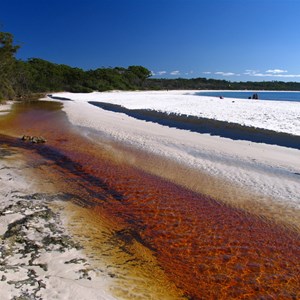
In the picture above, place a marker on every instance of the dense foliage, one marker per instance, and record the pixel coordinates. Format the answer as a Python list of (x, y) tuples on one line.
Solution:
[(214, 84), (7, 64), (20, 78)]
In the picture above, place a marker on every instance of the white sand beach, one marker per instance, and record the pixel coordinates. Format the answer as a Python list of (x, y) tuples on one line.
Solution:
[(279, 116), (265, 170)]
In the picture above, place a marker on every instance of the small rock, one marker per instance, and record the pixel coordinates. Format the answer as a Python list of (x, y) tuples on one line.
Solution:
[(41, 284), (3, 278), (25, 138), (76, 261), (33, 139)]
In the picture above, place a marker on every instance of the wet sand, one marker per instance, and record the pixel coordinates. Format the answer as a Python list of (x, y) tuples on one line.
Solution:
[(158, 239)]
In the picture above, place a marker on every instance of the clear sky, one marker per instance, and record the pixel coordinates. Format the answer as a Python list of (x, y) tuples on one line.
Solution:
[(235, 40)]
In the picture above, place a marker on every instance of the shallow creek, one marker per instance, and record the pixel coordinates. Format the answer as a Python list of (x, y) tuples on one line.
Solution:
[(158, 239)]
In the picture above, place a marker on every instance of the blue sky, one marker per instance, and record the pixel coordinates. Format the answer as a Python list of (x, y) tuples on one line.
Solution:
[(236, 40)]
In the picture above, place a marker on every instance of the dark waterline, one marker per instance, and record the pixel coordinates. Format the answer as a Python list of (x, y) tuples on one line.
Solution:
[(204, 125), (274, 96)]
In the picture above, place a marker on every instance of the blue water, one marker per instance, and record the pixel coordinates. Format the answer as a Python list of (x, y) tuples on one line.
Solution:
[(275, 96)]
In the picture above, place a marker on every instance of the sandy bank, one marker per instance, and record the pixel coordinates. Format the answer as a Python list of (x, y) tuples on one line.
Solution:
[(267, 171), (38, 257), (5, 108), (280, 116)]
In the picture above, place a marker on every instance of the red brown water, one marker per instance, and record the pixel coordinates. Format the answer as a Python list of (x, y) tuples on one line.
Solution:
[(209, 250)]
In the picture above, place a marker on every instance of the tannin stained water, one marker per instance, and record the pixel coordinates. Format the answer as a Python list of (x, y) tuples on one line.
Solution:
[(209, 250)]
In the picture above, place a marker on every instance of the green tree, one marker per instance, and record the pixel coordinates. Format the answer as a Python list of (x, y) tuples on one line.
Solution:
[(7, 64)]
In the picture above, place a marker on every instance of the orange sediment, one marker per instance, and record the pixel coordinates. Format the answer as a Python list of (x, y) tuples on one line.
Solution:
[(198, 246)]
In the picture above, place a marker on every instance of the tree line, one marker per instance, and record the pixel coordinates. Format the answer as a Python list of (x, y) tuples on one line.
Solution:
[(19, 78), (215, 84)]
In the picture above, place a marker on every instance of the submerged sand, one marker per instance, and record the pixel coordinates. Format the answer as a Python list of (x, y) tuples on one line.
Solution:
[(53, 244)]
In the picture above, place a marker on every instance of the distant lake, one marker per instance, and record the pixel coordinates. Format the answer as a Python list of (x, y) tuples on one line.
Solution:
[(274, 96)]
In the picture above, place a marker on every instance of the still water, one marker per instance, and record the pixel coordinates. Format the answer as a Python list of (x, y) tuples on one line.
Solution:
[(274, 96)]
